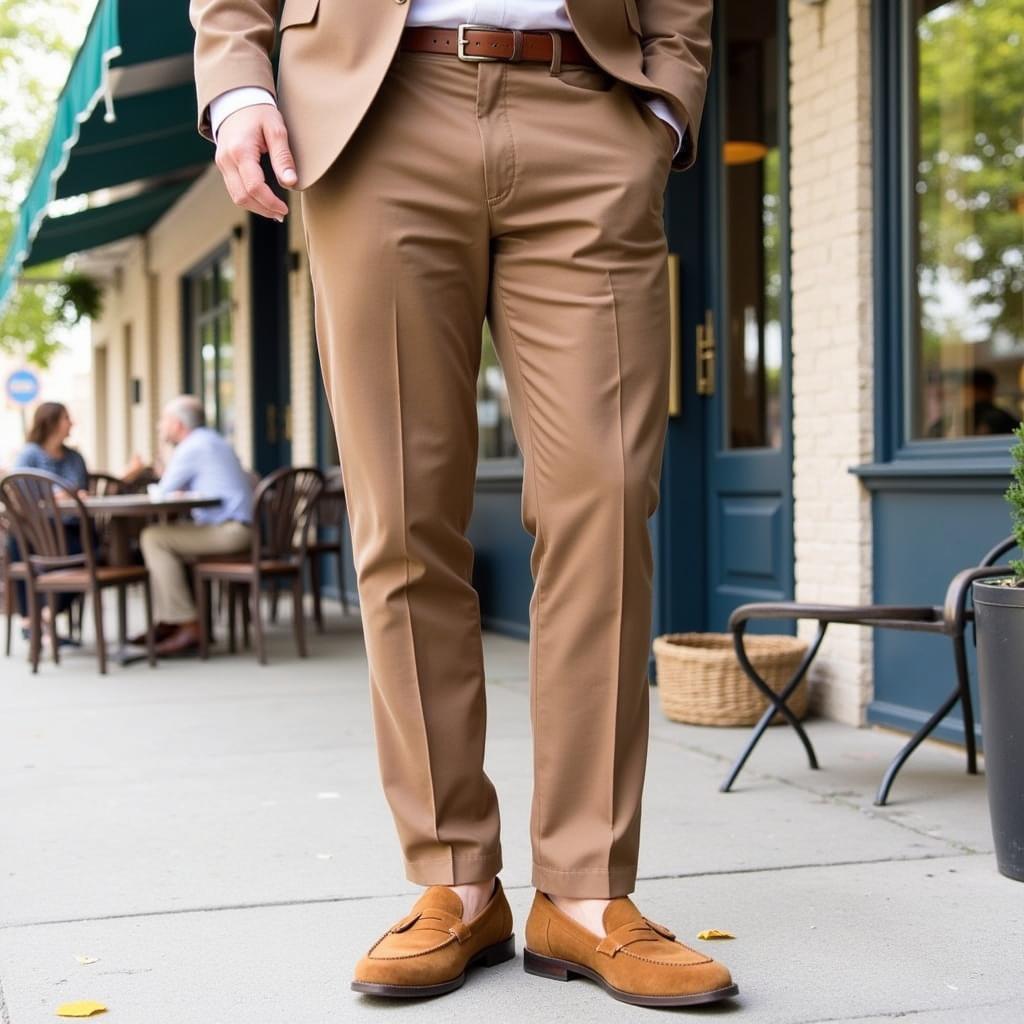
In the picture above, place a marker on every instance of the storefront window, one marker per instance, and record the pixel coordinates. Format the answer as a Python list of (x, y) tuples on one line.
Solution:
[(496, 438), (965, 258), (493, 414), (211, 369), (753, 241)]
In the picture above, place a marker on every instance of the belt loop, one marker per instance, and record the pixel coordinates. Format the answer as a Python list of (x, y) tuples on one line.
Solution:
[(517, 46), (556, 54)]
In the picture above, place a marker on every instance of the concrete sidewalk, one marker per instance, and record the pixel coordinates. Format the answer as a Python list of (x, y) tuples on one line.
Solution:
[(215, 834)]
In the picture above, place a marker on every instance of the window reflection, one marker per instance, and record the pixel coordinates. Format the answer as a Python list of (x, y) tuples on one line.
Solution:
[(966, 309), (753, 242), (213, 353)]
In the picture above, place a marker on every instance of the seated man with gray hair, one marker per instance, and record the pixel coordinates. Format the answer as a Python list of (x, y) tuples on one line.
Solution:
[(203, 462)]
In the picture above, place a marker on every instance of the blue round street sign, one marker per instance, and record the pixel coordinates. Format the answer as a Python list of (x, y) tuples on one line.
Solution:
[(23, 387)]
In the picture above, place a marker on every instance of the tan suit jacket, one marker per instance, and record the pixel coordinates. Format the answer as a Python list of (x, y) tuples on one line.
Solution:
[(334, 55)]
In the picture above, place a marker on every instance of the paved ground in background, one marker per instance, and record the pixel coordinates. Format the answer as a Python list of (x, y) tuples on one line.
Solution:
[(216, 836)]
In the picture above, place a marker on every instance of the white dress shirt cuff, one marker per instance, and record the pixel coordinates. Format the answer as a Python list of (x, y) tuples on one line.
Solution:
[(234, 99), (661, 109)]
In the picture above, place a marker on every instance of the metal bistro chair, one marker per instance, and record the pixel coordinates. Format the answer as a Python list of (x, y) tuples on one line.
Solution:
[(36, 504), (6, 581), (102, 485), (15, 572), (948, 620), (283, 507), (105, 483), (330, 515)]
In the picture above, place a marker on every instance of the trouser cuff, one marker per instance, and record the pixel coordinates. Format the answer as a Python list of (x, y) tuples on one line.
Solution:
[(594, 885), (454, 870)]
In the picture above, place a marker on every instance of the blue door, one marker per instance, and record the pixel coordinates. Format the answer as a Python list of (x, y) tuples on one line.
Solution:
[(743, 344), (271, 362), (726, 523)]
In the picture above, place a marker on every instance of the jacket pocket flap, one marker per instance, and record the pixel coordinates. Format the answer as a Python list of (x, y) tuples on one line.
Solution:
[(298, 12)]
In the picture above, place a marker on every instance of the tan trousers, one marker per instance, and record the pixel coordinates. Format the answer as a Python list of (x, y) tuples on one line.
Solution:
[(164, 549), (535, 200)]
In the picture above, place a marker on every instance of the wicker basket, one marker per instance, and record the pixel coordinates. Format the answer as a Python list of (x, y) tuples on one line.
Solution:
[(700, 680)]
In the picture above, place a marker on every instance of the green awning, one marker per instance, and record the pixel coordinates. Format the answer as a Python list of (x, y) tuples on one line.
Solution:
[(127, 113), (97, 225)]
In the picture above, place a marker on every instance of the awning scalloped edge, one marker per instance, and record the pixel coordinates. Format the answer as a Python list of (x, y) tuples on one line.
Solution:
[(104, 92)]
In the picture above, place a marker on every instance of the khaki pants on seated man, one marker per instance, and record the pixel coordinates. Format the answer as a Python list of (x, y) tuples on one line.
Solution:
[(203, 463), (165, 550)]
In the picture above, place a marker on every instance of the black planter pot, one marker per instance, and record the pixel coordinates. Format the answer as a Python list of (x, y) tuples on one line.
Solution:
[(999, 616)]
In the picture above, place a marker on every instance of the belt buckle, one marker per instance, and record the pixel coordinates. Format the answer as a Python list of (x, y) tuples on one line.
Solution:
[(461, 47)]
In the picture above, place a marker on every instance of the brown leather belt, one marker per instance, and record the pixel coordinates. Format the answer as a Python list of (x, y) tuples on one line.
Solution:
[(477, 43)]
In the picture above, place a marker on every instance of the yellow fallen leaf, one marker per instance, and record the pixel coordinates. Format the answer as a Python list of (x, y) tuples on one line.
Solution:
[(83, 1008), (714, 933), (87, 959)]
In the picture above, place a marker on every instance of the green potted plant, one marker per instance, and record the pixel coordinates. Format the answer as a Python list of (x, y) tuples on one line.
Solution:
[(999, 622)]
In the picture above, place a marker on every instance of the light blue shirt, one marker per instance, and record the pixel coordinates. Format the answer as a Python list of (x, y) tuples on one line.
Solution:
[(206, 464), (70, 467)]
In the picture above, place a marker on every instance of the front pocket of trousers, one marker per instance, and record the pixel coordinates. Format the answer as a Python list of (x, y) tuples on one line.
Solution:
[(665, 131), (586, 79)]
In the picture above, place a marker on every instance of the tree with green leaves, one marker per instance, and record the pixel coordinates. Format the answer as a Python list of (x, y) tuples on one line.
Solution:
[(1015, 496), (38, 39), (970, 166)]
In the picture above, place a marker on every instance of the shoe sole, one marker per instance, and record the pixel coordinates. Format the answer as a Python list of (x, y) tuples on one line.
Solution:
[(490, 956), (565, 970)]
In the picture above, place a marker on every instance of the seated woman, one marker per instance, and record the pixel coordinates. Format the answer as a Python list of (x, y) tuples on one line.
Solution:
[(45, 450)]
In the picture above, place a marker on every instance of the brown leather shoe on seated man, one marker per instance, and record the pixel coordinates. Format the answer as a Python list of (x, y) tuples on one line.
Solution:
[(637, 961), (184, 638), (161, 631), (427, 952)]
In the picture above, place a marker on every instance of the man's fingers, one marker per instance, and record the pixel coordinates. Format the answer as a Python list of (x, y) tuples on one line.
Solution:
[(239, 196), (237, 189), (241, 140), (281, 159), (257, 190)]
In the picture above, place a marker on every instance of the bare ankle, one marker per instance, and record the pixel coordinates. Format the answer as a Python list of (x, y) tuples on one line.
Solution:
[(474, 895), (588, 912)]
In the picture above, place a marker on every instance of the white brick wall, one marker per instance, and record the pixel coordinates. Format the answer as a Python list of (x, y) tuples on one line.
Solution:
[(122, 428), (831, 200)]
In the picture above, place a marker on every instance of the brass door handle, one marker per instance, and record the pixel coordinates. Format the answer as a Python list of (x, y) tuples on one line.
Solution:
[(675, 397), (706, 355)]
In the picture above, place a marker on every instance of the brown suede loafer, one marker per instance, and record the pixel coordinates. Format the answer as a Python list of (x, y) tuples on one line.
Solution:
[(637, 962), (428, 951)]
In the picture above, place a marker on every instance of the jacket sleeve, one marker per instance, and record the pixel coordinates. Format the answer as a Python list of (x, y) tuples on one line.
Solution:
[(676, 41), (234, 40)]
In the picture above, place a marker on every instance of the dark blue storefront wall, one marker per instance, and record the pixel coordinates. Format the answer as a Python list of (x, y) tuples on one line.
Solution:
[(501, 564), (925, 531)]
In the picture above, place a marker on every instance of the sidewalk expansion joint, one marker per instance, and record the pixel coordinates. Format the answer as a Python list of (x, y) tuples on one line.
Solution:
[(322, 901)]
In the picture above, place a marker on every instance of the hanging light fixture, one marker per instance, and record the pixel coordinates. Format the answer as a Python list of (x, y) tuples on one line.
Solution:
[(743, 151)]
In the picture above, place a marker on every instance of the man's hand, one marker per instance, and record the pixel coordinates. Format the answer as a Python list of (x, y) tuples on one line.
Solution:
[(241, 139)]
